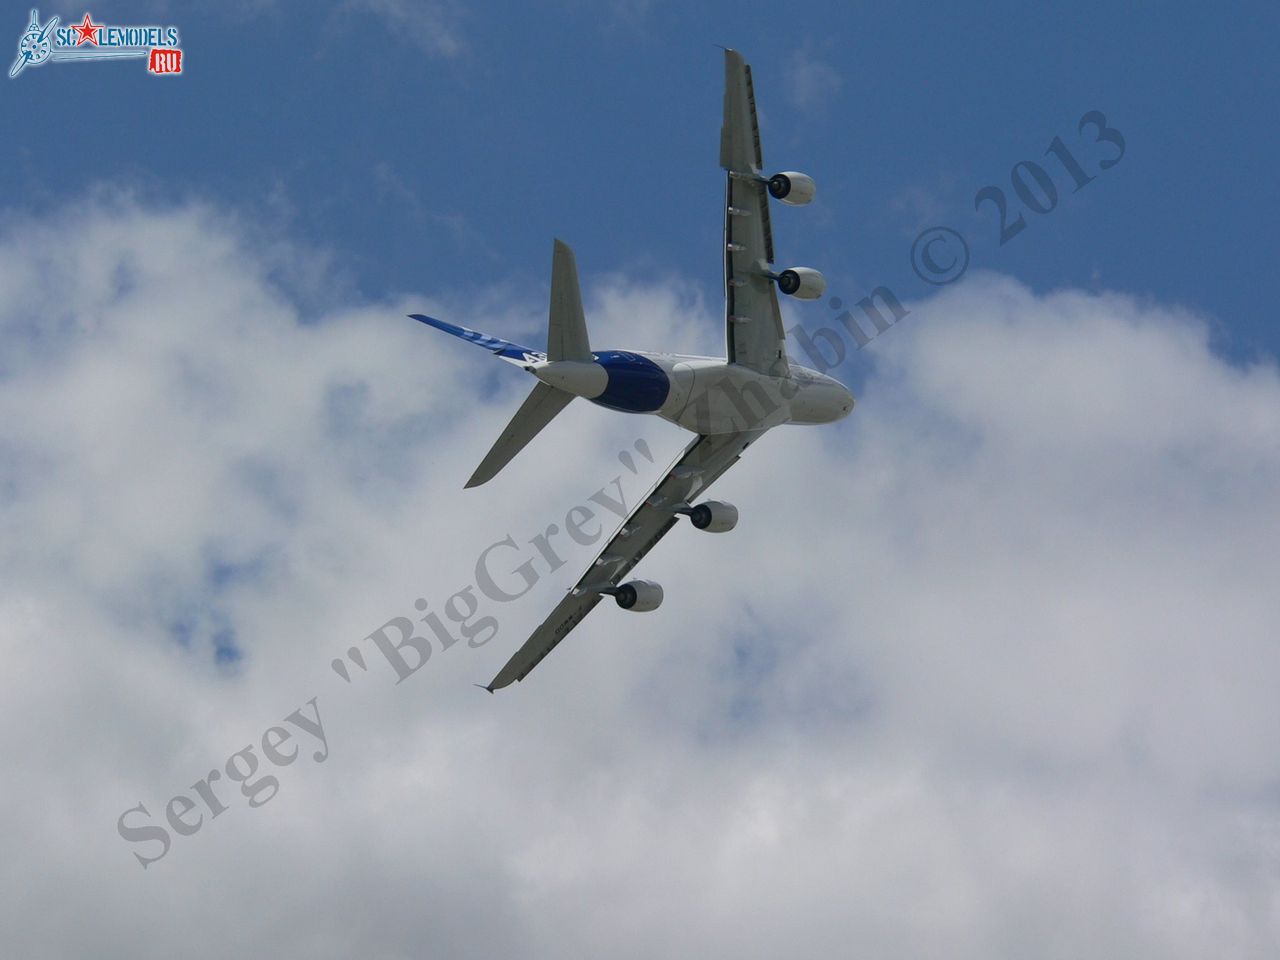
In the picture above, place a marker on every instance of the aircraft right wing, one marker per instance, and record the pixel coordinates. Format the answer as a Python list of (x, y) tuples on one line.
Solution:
[(753, 322), (705, 459)]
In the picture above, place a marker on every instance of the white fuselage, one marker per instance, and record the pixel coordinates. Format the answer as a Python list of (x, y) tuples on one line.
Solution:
[(706, 395)]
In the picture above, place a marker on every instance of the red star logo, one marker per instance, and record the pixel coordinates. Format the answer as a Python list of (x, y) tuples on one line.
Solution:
[(88, 31)]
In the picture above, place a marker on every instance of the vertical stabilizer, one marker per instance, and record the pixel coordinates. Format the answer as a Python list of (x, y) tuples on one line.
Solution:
[(569, 370)]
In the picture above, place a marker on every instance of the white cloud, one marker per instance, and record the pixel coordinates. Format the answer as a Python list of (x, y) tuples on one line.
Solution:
[(432, 26), (986, 671), (812, 82)]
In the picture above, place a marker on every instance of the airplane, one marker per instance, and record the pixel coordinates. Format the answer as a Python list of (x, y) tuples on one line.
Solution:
[(729, 402)]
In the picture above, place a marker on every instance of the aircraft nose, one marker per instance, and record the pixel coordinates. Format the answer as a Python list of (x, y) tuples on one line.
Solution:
[(844, 399)]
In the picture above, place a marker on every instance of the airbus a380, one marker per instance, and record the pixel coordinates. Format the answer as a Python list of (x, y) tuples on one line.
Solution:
[(729, 402)]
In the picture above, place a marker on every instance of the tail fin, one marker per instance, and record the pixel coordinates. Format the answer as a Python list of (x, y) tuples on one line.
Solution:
[(536, 412), (566, 327), (566, 340)]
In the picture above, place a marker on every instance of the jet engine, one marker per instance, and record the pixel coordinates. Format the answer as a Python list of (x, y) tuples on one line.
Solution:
[(638, 596), (791, 187), (803, 283), (714, 516)]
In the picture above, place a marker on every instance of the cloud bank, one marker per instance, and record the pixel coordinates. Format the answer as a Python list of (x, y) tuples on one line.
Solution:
[(987, 670)]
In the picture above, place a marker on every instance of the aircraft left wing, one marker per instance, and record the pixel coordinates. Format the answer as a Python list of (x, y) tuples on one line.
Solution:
[(753, 322), (705, 459)]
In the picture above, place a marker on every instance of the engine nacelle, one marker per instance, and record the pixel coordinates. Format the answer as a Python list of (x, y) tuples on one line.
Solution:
[(803, 283), (714, 516), (639, 596), (791, 187)]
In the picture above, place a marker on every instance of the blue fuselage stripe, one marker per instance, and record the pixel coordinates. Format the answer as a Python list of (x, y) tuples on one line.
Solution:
[(636, 383)]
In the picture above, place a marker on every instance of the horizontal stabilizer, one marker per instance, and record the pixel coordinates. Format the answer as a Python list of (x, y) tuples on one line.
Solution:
[(505, 349), (535, 413)]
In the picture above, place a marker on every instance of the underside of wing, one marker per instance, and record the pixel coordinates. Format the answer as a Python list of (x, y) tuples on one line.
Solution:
[(753, 321), (705, 459)]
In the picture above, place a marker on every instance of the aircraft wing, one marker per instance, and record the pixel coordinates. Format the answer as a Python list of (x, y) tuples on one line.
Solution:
[(753, 322), (705, 459)]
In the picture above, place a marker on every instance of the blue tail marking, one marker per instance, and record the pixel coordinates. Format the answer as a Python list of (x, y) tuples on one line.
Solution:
[(503, 348)]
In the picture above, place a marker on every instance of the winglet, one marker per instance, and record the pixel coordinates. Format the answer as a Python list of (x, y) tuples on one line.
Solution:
[(483, 687)]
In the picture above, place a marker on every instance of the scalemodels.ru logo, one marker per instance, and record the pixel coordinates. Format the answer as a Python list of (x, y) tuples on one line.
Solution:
[(97, 41)]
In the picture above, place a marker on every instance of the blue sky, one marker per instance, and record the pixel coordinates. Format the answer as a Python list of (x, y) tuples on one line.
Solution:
[(444, 145), (987, 669)]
